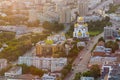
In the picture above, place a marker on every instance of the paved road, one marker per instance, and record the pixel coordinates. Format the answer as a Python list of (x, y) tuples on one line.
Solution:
[(81, 66), (100, 6)]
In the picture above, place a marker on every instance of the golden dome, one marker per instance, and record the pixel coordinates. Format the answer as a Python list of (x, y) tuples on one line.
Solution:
[(48, 41), (76, 25), (80, 18)]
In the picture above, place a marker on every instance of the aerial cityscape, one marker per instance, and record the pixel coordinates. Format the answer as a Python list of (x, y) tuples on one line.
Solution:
[(59, 39)]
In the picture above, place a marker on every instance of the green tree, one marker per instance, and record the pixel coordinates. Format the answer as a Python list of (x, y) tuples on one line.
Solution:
[(31, 70), (113, 45), (87, 74), (95, 71), (101, 39), (78, 76)]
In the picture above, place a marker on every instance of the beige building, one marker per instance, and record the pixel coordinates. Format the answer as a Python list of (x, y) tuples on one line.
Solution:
[(52, 45)]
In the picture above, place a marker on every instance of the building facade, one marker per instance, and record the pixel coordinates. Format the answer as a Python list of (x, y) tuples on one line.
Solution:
[(52, 45), (110, 32), (49, 64)]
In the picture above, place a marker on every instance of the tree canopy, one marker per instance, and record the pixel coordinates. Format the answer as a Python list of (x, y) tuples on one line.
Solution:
[(113, 45)]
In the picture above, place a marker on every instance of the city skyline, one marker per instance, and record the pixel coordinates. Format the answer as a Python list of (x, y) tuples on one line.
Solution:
[(59, 39)]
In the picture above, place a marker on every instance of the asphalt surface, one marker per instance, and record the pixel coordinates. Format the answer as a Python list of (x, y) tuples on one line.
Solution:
[(81, 65)]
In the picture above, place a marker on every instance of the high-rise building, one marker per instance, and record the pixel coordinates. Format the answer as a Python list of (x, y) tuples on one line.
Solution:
[(83, 7), (65, 15)]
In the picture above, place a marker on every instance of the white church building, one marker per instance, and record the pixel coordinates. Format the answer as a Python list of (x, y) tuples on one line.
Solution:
[(81, 29)]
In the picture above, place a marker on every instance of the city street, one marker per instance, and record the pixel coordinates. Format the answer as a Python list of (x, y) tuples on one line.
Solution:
[(81, 66)]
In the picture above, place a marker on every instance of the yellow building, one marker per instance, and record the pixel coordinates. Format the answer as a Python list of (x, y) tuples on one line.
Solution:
[(51, 46)]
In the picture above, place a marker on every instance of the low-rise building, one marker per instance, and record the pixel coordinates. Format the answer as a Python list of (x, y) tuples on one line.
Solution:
[(14, 72), (101, 51), (83, 44), (21, 77), (87, 78), (101, 60), (48, 77)]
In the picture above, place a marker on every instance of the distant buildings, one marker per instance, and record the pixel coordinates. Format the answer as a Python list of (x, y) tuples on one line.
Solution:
[(52, 45), (83, 7), (94, 3), (3, 63), (65, 15), (15, 71), (49, 64), (116, 1), (81, 29), (92, 18), (17, 29)]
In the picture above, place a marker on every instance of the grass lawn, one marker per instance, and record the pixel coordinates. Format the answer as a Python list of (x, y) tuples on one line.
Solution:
[(94, 33)]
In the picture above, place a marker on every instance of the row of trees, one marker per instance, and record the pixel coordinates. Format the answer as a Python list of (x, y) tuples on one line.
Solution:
[(66, 70), (93, 72), (18, 47), (69, 34), (15, 49), (5, 70), (53, 26), (98, 26), (110, 44), (113, 45), (6, 36), (113, 8), (71, 57), (31, 70)]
